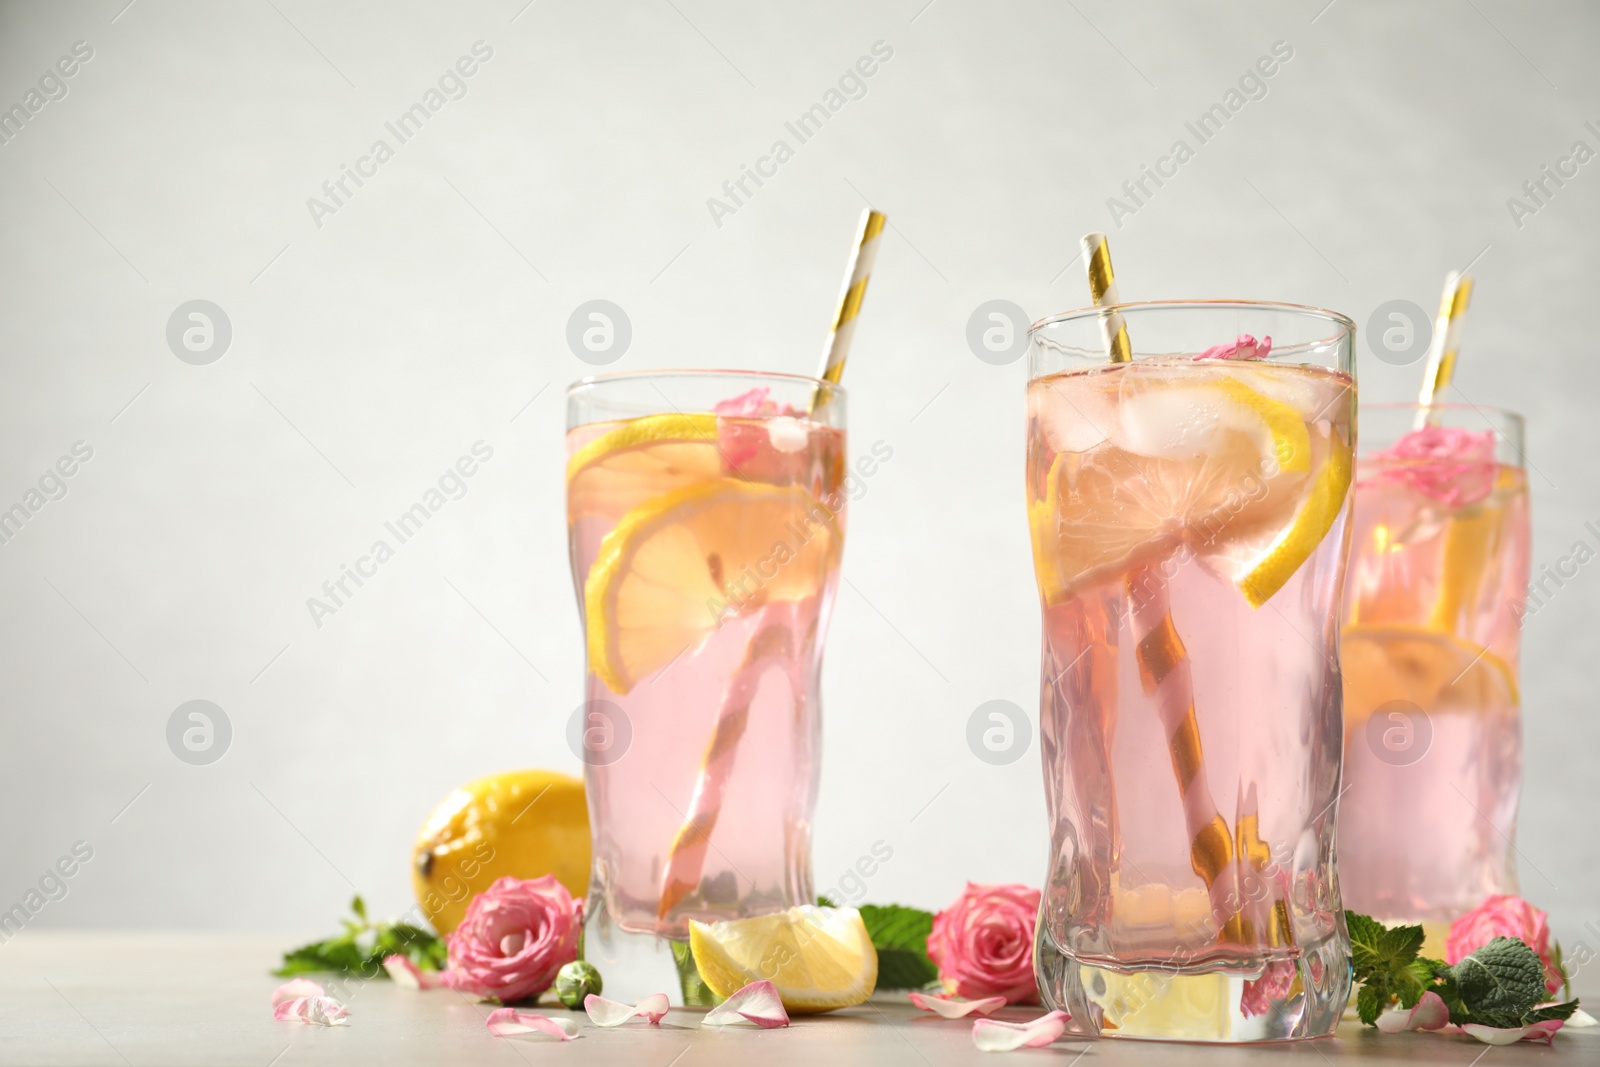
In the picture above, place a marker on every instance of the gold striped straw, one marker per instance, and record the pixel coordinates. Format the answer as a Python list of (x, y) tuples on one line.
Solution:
[(1165, 671), (1446, 343), (1103, 290), (862, 253), (686, 858)]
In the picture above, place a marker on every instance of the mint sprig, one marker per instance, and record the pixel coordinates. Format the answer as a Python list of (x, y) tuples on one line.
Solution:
[(1498, 985), (361, 949), (1386, 963)]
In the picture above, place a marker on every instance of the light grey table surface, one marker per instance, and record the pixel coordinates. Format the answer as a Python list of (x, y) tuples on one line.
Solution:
[(180, 999)]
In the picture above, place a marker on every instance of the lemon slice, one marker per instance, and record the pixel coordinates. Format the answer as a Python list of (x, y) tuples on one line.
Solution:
[(640, 458), (1311, 524), (817, 958), (669, 570), (1185, 465), (1430, 668), (1286, 431)]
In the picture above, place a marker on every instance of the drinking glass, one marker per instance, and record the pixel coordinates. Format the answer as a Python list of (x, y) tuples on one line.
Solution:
[(1188, 513), (705, 520), (1433, 610)]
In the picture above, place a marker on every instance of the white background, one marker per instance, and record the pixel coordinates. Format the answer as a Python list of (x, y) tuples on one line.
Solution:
[(371, 351)]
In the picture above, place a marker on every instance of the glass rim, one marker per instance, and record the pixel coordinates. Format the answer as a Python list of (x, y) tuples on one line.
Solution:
[(705, 372), (1309, 310), (1478, 409)]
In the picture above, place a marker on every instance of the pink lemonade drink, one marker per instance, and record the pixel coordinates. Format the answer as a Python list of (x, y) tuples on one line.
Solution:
[(706, 526), (1188, 513), (1432, 612)]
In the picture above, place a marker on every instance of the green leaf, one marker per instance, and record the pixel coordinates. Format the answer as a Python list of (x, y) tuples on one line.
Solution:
[(360, 950), (1412, 980), (900, 934), (1370, 1003), (1446, 989), (1502, 980), (1553, 1011), (1378, 949), (359, 906), (1384, 960)]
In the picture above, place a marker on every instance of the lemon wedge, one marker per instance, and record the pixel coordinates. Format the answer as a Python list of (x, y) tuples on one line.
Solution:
[(817, 958), (669, 570)]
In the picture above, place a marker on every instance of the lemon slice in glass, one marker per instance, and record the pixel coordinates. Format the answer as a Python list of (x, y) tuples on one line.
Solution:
[(640, 457), (1210, 463), (1315, 517), (1436, 671), (673, 566), (817, 958)]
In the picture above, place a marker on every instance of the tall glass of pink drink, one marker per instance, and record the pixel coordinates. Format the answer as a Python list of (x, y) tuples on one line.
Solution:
[(1432, 622), (1188, 513), (705, 520)]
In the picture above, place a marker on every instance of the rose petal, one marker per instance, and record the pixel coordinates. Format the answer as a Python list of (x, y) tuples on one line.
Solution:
[(951, 1008), (506, 1022), (1544, 1032), (992, 1036), (407, 974), (315, 1011), (1430, 1013), (757, 1002), (297, 987), (603, 1012), (1243, 347)]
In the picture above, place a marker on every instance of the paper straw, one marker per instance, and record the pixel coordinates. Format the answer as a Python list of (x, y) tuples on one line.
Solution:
[(1164, 668), (1165, 674), (1441, 366), (1103, 291), (772, 645), (862, 253), (687, 856)]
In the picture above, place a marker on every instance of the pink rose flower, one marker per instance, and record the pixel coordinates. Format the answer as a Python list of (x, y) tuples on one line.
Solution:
[(516, 936), (1453, 466), (1502, 915), (983, 943)]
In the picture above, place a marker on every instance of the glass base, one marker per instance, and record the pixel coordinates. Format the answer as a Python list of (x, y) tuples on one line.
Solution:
[(633, 966), (1277, 999)]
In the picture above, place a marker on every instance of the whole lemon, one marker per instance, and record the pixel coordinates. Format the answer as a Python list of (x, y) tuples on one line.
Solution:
[(521, 823)]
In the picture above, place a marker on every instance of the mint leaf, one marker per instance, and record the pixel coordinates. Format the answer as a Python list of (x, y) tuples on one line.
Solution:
[(1501, 981), (900, 934), (1376, 949), (1384, 960), (1414, 979), (1553, 1011), (361, 949), (1446, 988), (1366, 935), (1370, 1003)]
